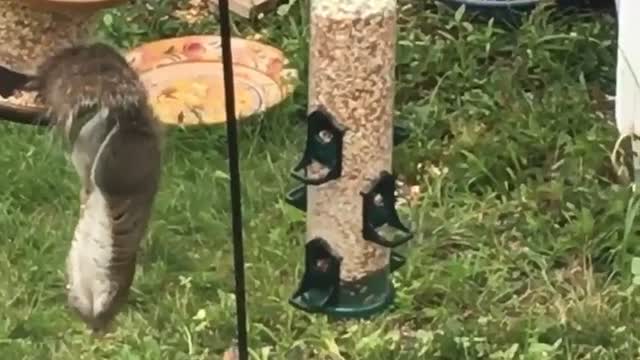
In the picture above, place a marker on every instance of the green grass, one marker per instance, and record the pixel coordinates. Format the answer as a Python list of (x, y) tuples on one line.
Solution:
[(525, 237)]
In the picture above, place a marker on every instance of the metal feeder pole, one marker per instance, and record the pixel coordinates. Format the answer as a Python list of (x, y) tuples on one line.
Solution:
[(348, 190)]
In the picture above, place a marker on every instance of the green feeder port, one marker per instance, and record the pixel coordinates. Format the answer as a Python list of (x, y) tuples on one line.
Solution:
[(323, 149), (297, 197), (321, 290), (378, 209)]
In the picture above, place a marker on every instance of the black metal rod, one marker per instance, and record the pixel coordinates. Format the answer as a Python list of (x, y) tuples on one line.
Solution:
[(234, 173)]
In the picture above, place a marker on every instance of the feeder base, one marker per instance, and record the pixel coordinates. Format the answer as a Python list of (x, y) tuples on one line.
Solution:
[(365, 298)]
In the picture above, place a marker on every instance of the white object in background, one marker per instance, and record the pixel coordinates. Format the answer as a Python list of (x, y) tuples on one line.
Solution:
[(628, 75)]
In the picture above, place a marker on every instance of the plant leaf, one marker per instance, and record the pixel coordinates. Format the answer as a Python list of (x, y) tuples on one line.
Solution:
[(458, 15), (635, 266)]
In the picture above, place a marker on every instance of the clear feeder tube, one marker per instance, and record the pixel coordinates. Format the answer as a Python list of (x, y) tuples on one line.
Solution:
[(352, 63)]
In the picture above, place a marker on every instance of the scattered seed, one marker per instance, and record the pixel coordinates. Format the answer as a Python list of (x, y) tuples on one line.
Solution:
[(22, 98)]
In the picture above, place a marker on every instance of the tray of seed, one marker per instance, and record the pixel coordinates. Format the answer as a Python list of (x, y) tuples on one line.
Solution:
[(29, 33), (352, 60), (21, 107)]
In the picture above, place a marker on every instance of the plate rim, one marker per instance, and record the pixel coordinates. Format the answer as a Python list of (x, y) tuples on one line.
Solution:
[(284, 84)]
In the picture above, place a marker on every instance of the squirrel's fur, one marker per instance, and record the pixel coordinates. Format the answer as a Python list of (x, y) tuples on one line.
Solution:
[(100, 104)]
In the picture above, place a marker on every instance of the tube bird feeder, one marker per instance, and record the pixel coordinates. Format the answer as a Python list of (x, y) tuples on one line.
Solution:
[(348, 190)]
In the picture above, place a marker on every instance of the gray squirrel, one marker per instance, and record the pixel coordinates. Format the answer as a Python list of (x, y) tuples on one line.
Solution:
[(99, 105)]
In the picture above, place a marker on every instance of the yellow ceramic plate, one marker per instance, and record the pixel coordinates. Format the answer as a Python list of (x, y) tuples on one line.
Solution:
[(185, 81)]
